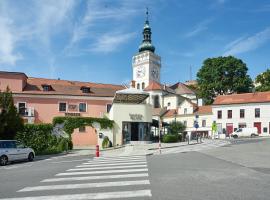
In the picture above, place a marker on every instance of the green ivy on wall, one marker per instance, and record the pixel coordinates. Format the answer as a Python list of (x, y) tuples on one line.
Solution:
[(71, 123)]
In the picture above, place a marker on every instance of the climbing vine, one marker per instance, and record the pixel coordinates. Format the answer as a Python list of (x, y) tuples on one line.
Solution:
[(71, 123)]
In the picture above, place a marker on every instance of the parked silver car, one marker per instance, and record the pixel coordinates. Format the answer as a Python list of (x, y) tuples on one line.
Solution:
[(12, 150)]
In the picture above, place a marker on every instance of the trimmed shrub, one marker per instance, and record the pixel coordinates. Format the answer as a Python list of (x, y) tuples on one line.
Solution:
[(40, 138), (168, 138), (106, 142)]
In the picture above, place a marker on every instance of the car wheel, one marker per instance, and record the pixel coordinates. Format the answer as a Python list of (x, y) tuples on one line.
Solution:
[(3, 160), (235, 136), (30, 157), (253, 135)]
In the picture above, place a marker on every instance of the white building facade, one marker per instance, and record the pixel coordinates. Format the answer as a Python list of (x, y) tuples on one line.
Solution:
[(242, 110)]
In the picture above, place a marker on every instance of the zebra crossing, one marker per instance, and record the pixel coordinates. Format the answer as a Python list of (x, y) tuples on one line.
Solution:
[(122, 177), (197, 147)]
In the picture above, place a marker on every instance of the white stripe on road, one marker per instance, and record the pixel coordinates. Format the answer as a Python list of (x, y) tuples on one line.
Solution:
[(101, 172), (112, 164), (85, 185), (118, 157), (114, 161), (95, 177), (67, 161), (90, 196), (108, 167)]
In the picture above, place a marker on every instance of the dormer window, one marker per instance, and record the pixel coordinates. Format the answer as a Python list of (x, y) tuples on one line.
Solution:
[(85, 89), (46, 87)]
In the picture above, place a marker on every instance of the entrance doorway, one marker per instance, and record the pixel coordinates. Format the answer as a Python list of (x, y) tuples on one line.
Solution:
[(258, 125), (229, 128), (134, 131)]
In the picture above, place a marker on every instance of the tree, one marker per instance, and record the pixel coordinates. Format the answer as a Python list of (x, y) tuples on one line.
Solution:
[(176, 127), (222, 76), (263, 81), (10, 121)]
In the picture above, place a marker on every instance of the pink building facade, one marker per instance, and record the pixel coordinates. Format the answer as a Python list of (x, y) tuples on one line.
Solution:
[(40, 100)]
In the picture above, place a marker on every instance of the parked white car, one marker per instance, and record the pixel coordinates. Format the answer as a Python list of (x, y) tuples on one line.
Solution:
[(11, 150), (245, 132)]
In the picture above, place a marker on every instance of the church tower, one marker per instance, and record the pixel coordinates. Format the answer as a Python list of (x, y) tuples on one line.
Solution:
[(146, 64)]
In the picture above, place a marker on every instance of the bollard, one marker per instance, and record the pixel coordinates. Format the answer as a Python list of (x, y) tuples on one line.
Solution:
[(97, 150)]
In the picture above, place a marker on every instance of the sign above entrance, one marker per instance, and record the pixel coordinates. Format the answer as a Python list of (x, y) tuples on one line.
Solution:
[(135, 116)]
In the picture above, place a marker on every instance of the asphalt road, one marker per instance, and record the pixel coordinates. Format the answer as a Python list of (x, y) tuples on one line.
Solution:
[(237, 171)]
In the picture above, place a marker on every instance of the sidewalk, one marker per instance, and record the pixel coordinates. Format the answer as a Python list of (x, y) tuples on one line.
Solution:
[(150, 149)]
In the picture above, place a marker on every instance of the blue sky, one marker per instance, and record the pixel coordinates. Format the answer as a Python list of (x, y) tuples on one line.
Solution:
[(95, 40)]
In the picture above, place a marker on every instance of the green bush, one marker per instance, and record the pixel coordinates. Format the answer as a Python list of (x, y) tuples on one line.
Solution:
[(40, 138), (106, 142), (168, 138)]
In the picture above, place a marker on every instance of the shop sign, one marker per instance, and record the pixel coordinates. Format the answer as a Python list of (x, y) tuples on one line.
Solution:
[(72, 114), (72, 107), (135, 116)]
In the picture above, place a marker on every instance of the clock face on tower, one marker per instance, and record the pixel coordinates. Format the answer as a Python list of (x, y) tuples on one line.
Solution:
[(155, 73), (140, 73)]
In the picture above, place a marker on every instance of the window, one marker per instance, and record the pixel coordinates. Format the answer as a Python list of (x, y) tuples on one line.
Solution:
[(82, 129), (242, 125), (82, 107), (46, 87), (257, 112), (22, 108), (108, 107), (242, 113), (265, 130), (229, 114), (185, 123), (203, 123), (185, 111), (85, 89), (138, 86), (143, 85), (168, 104), (219, 114), (62, 107), (156, 101)]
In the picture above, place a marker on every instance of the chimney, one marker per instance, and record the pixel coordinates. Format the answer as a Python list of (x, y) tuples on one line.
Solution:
[(132, 84)]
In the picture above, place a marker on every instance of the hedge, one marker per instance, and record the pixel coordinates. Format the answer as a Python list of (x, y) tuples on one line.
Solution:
[(40, 138), (169, 138)]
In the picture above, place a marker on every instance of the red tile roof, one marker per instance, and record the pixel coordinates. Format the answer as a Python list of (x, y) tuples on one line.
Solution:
[(153, 85), (201, 110), (257, 97), (170, 113), (64, 87), (181, 88)]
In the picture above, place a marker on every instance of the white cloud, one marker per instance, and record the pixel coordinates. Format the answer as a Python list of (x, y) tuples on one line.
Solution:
[(110, 42), (246, 44), (200, 27), (30, 25), (7, 43)]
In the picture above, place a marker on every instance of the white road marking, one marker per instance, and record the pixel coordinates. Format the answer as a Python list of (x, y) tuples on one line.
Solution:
[(108, 167), (117, 157), (90, 196), (102, 172), (120, 159), (95, 177), (112, 164), (85, 185), (114, 161)]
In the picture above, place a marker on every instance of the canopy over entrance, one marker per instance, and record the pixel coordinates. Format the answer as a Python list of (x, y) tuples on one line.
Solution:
[(130, 95)]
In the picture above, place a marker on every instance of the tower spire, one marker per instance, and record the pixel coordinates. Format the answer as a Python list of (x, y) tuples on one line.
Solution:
[(146, 43)]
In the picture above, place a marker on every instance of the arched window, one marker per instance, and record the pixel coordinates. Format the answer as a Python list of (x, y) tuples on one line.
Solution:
[(143, 85), (156, 102), (138, 86)]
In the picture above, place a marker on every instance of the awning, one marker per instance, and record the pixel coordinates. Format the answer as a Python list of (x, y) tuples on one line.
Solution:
[(130, 95)]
